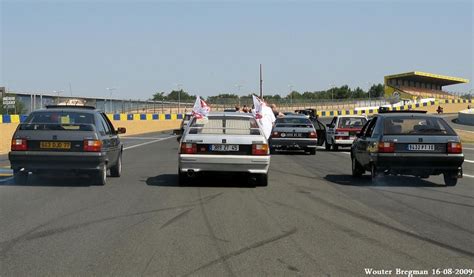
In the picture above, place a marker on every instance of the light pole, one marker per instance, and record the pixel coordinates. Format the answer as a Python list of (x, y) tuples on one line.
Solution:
[(239, 86), (111, 90), (290, 94), (179, 96), (369, 85), (58, 92), (332, 91)]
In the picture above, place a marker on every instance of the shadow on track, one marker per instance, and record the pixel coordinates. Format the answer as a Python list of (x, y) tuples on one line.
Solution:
[(51, 181), (207, 180), (384, 181), (291, 152)]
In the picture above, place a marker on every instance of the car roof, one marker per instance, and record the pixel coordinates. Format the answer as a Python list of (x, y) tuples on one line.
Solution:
[(83, 109), (352, 116), (58, 109), (406, 115), (232, 114), (294, 116)]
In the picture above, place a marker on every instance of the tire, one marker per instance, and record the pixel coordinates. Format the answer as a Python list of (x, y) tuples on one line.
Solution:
[(335, 147), (262, 180), (20, 177), (100, 177), (374, 174), (116, 170), (327, 145), (450, 180), (357, 169), (312, 151)]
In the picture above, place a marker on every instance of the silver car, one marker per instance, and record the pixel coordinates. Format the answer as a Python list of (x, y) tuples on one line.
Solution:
[(224, 142)]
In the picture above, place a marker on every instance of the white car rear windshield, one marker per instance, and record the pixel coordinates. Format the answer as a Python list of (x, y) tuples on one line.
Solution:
[(417, 126), (352, 122), (293, 122), (225, 125), (59, 120)]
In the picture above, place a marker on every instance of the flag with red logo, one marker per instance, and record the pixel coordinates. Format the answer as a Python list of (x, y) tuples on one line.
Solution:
[(200, 109), (264, 115)]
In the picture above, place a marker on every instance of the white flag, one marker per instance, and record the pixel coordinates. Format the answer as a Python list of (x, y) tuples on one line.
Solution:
[(200, 109), (264, 116)]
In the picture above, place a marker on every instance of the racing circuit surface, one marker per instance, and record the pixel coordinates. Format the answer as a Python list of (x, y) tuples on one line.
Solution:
[(313, 219)]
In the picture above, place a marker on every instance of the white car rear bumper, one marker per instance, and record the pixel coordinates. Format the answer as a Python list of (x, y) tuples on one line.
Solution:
[(224, 163)]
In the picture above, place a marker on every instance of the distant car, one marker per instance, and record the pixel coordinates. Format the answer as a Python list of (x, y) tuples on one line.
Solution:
[(294, 132), (342, 130), (312, 115), (187, 117), (224, 142), (410, 144), (76, 139)]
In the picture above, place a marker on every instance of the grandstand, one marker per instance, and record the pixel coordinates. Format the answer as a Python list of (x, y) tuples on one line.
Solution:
[(418, 85)]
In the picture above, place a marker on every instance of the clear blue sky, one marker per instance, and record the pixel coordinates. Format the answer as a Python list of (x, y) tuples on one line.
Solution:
[(209, 47)]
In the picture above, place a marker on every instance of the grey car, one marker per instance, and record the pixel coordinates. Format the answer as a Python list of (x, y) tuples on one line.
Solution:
[(294, 132), (76, 139), (224, 142), (408, 143)]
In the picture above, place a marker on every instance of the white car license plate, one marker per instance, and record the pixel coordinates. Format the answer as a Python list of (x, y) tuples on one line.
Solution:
[(421, 147), (293, 135), (224, 147)]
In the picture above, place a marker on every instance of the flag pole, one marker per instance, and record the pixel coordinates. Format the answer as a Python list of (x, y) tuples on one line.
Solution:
[(261, 83)]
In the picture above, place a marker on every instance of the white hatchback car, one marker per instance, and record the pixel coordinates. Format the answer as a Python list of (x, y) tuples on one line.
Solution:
[(224, 142), (343, 129)]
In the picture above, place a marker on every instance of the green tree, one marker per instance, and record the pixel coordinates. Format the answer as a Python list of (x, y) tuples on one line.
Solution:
[(182, 95), (376, 91), (159, 96)]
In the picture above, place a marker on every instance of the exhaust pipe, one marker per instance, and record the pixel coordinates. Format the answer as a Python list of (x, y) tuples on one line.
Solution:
[(190, 173)]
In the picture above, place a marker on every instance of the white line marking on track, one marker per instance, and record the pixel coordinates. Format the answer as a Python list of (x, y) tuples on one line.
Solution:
[(145, 143), (6, 180), (467, 175), (464, 130), (144, 138), (467, 148), (469, 161)]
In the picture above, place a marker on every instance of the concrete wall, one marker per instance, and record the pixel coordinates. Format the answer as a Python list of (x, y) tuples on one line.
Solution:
[(466, 117)]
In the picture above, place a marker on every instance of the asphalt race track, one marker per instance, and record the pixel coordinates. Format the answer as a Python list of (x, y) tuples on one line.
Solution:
[(313, 219)]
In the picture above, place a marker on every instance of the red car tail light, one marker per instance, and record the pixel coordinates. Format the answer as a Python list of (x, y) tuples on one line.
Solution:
[(92, 145), (386, 147), (19, 145), (260, 149), (454, 147), (188, 148), (313, 135)]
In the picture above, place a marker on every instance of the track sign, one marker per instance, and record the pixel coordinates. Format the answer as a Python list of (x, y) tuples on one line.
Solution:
[(10, 101)]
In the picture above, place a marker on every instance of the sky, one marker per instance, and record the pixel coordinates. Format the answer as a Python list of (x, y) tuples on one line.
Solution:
[(206, 48)]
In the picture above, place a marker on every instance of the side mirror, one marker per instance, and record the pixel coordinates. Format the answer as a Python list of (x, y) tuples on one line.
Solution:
[(121, 130)]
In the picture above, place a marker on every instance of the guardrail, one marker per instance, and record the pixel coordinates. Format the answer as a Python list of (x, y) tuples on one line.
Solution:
[(15, 118), (466, 117), (370, 111)]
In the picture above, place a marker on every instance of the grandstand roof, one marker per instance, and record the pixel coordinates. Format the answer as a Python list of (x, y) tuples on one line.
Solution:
[(437, 79)]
